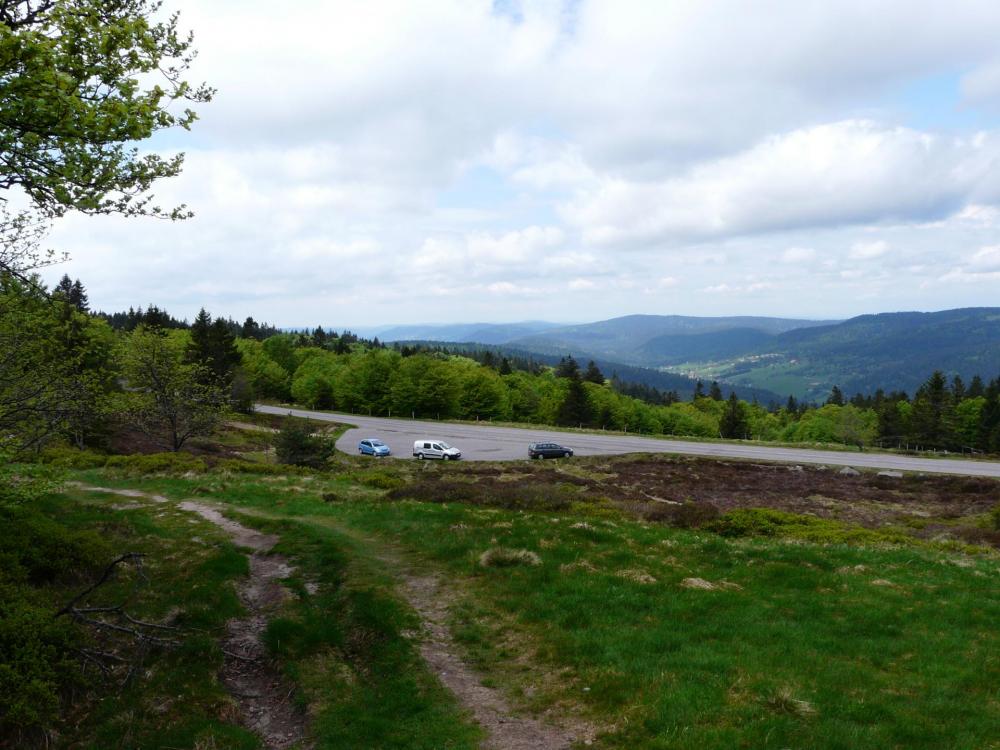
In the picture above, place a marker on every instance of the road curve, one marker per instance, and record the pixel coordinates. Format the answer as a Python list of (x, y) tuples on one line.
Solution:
[(485, 442)]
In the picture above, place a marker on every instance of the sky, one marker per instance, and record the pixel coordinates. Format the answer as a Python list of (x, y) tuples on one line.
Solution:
[(376, 162)]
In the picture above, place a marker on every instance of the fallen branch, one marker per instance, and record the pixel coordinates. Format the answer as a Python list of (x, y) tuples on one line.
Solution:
[(114, 621)]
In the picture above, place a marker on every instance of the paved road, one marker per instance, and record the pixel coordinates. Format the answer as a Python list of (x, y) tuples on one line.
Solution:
[(487, 443)]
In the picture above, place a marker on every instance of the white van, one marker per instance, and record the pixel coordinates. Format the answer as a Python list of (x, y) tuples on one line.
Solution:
[(430, 448)]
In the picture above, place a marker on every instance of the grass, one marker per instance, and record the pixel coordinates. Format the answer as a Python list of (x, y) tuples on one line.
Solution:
[(816, 633), (345, 646), (187, 578)]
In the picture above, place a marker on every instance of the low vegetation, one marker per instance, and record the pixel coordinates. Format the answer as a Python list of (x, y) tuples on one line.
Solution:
[(666, 602)]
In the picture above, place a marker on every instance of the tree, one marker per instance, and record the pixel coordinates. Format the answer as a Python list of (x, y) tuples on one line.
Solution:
[(169, 398), (593, 374), (836, 396), (296, 444), (699, 391), (976, 388), (567, 368), (932, 422), (31, 376), (714, 391), (958, 391), (575, 408), (72, 105), (734, 423), (250, 329)]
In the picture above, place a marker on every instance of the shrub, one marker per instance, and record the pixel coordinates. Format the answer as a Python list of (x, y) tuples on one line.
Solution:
[(38, 548), (252, 467), (754, 522), (775, 523), (379, 480), (517, 495), (157, 463), (38, 664), (995, 517), (72, 458), (687, 515), (504, 557), (295, 444)]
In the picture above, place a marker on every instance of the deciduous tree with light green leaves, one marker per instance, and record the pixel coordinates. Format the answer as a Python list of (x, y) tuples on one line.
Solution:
[(168, 398), (81, 81)]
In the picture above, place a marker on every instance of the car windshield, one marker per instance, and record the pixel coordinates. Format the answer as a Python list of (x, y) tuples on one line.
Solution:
[(377, 443), (445, 446)]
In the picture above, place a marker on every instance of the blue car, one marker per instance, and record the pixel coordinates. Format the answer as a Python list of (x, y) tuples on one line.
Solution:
[(373, 447)]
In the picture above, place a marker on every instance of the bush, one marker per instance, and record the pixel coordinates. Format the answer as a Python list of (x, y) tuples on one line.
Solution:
[(38, 664), (687, 515), (775, 523), (38, 653), (37, 548), (379, 480), (252, 467), (519, 495), (755, 522), (995, 517), (72, 458), (504, 557), (295, 444), (157, 463)]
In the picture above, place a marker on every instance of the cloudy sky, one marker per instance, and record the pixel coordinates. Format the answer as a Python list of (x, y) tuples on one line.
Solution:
[(377, 162)]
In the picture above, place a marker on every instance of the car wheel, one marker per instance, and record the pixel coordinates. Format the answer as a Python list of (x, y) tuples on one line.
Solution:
[(420, 456), (446, 457), (566, 455)]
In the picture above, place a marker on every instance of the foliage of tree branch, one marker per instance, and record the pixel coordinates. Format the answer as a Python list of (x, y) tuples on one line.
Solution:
[(81, 81)]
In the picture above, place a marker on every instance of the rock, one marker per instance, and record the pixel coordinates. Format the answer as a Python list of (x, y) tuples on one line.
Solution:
[(848, 471), (697, 583), (795, 468), (893, 474)]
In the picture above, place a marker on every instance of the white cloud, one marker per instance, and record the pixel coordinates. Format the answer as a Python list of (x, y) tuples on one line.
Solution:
[(798, 255), (868, 250), (376, 154), (844, 173)]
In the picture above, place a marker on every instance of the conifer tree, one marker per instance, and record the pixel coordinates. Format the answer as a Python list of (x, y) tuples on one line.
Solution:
[(567, 368), (593, 374), (932, 421), (575, 409), (836, 396), (78, 297), (699, 391), (714, 391), (734, 422), (976, 388)]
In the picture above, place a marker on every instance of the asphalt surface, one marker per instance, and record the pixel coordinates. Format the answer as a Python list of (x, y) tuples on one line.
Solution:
[(484, 442)]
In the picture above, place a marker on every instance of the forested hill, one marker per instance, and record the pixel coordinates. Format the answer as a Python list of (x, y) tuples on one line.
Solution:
[(802, 358), (660, 380), (895, 349), (628, 339)]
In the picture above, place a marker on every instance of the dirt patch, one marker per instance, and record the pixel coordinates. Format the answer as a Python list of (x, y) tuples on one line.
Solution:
[(688, 492), (261, 694), (505, 730)]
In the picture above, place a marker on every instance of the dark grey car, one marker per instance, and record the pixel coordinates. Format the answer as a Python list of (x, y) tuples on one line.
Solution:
[(549, 450)]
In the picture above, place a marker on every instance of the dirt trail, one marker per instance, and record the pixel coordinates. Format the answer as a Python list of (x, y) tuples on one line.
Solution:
[(263, 697), (429, 597), (260, 692), (506, 730)]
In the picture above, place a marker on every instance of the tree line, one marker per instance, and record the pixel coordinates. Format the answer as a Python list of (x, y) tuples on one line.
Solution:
[(71, 373)]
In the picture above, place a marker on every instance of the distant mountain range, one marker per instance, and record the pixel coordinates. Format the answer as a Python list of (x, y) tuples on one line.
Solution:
[(480, 333), (805, 358)]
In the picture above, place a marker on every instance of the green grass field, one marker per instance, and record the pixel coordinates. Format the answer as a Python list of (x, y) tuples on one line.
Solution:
[(880, 643)]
